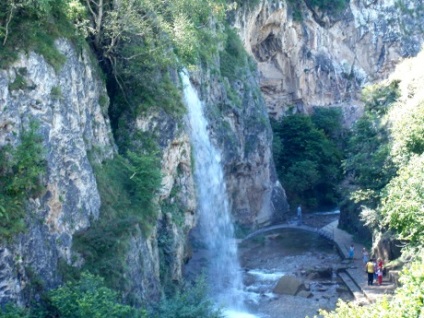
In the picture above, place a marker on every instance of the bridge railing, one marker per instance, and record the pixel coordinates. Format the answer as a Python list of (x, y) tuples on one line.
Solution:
[(326, 233)]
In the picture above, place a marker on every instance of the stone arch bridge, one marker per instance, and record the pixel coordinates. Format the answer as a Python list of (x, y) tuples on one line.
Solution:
[(326, 231)]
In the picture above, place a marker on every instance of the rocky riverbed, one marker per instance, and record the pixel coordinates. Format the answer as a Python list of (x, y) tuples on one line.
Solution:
[(291, 273)]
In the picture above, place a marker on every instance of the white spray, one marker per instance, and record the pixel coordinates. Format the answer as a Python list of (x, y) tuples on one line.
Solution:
[(215, 223)]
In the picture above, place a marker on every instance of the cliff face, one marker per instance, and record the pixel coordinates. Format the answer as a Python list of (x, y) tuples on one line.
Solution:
[(70, 105), (324, 60), (65, 104), (240, 127)]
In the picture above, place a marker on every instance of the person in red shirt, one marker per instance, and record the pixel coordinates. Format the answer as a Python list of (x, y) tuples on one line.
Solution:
[(379, 276), (380, 264)]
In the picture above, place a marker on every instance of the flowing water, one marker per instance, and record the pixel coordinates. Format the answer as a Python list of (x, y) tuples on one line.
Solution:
[(215, 243), (268, 257), (264, 263)]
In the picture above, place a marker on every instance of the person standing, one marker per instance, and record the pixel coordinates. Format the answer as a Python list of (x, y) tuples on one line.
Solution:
[(365, 256), (299, 215), (369, 269), (375, 268), (351, 252), (379, 276), (380, 263)]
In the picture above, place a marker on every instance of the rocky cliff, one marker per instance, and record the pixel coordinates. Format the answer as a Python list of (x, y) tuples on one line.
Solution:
[(70, 106), (240, 127), (322, 58), (72, 124)]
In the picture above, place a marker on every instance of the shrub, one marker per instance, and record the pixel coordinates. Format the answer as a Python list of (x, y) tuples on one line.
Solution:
[(127, 187), (89, 297), (12, 311), (191, 302), (33, 25), (234, 57), (403, 202), (21, 173)]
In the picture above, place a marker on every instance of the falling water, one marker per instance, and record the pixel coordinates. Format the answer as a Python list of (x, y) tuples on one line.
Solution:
[(215, 224)]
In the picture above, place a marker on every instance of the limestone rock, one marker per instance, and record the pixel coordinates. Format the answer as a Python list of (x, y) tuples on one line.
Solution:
[(72, 122), (325, 60)]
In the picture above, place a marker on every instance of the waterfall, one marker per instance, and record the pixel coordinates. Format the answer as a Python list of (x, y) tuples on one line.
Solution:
[(215, 224)]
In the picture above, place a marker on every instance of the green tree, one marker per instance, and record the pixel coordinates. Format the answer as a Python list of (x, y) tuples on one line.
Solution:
[(307, 161), (403, 202)]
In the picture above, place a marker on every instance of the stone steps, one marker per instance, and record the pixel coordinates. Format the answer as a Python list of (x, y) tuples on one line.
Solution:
[(353, 287)]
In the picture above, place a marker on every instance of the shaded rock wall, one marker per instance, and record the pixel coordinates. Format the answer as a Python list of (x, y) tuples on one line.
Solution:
[(326, 59)]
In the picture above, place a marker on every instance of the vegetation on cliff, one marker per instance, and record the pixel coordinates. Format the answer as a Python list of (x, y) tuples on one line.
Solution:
[(21, 176), (140, 45)]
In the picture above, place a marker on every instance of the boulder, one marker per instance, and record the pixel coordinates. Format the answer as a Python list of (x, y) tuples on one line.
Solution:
[(288, 285), (305, 294)]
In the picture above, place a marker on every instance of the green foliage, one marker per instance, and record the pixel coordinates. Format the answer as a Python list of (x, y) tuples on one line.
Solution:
[(378, 98), (329, 5), (127, 187), (403, 202), (18, 83), (329, 120), (139, 42), (33, 25), (307, 161), (233, 58), (296, 7), (89, 298), (368, 151), (56, 92), (11, 311), (192, 302), (21, 172), (408, 132), (368, 155)]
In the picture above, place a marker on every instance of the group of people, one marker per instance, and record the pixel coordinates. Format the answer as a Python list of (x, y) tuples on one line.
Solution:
[(373, 268)]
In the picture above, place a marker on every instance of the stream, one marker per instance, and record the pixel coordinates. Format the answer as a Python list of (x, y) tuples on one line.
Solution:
[(268, 257)]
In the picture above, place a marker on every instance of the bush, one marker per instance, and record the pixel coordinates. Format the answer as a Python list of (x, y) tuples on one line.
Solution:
[(329, 5), (21, 173), (12, 311), (127, 187), (233, 59), (33, 25), (191, 302), (89, 297)]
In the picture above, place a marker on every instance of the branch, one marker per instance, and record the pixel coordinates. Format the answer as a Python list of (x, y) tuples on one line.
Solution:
[(7, 23)]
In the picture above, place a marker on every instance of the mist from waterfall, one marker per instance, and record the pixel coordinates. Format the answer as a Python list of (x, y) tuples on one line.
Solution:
[(215, 223)]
